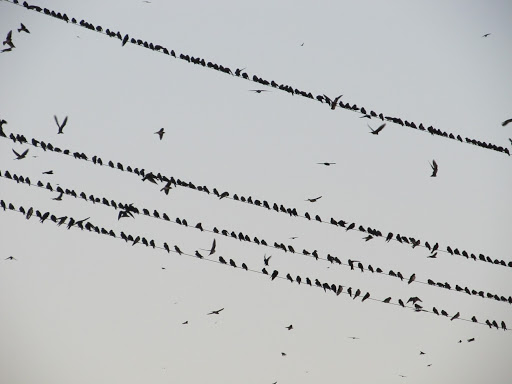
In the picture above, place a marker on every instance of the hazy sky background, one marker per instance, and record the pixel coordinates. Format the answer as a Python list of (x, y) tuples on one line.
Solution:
[(77, 307)]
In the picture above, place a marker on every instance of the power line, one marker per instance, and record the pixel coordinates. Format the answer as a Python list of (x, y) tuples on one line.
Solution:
[(284, 87), (375, 233), (85, 224), (353, 264)]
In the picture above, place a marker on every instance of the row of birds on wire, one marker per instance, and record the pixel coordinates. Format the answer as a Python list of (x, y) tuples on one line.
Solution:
[(331, 103), (171, 182), (130, 210), (337, 289)]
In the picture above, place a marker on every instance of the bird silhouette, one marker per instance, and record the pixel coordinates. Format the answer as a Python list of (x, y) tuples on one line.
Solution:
[(258, 90), (387, 300), (327, 164), (274, 274), (366, 296), (48, 173), (8, 40), (23, 29), (177, 250), (335, 102), (314, 199), (456, 316), (486, 35), (59, 198), (283, 354), (353, 337), (266, 259), (61, 126), (216, 312), (290, 327), (10, 258), (470, 340), (22, 156), (434, 168), (506, 122), (212, 249), (376, 131), (412, 278), (198, 255), (160, 133)]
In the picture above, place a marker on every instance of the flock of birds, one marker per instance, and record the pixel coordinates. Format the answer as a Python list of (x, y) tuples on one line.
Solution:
[(366, 112), (129, 210)]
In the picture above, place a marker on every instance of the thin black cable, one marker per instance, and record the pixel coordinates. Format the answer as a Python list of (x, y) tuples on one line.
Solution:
[(89, 226), (353, 264), (287, 88), (375, 233)]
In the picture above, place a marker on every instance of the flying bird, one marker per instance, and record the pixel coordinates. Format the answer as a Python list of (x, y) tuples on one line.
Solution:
[(258, 90), (11, 258), (22, 156), (61, 126), (160, 133), (353, 337), (422, 353), (327, 164), (48, 173), (470, 340), (23, 29), (313, 200), (215, 312), (506, 122), (434, 168), (266, 259), (290, 327), (487, 34), (8, 40), (376, 131), (212, 249)]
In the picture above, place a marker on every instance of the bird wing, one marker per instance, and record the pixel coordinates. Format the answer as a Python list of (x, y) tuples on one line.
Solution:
[(16, 153), (212, 250), (506, 122), (56, 120), (64, 123)]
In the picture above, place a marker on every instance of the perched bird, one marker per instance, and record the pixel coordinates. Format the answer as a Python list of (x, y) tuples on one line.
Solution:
[(327, 164), (434, 168), (335, 102), (486, 35), (387, 300), (215, 312), (125, 39), (61, 126), (23, 29), (506, 122), (22, 156), (160, 133), (366, 296), (456, 316), (314, 199), (376, 131), (198, 255), (412, 278), (290, 327), (274, 274)]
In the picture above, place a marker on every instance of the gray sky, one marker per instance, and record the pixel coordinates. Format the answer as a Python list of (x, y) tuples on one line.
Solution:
[(80, 308)]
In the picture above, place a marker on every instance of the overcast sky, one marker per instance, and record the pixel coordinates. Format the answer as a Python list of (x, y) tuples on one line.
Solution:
[(77, 307)]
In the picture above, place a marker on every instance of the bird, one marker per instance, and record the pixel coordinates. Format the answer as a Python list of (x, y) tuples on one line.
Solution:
[(23, 29), (274, 274), (335, 102), (48, 173), (59, 198), (8, 40), (215, 312), (506, 122), (160, 133), (486, 35), (283, 354), (22, 156), (11, 258), (198, 255), (366, 296), (353, 337), (258, 90), (412, 278), (376, 131), (61, 126), (125, 39), (422, 353), (185, 322), (290, 327), (314, 199), (387, 300), (266, 259), (470, 340), (327, 164), (212, 249), (434, 168)]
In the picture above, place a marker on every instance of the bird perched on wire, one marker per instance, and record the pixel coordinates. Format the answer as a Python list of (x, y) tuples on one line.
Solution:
[(61, 126), (335, 102), (160, 133), (376, 131), (434, 168)]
